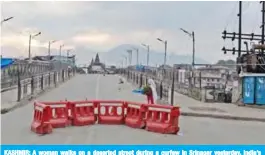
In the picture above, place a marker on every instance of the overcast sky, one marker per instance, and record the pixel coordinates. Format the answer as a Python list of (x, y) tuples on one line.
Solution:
[(103, 25)]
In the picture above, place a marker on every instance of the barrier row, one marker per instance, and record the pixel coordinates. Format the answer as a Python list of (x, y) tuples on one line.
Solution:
[(155, 118)]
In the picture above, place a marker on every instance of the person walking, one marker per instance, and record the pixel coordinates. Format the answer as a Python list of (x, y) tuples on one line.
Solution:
[(150, 92)]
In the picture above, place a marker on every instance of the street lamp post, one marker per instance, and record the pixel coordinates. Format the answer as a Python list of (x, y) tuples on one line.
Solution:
[(148, 48), (7, 19), (165, 56), (137, 55), (130, 56), (60, 51), (60, 54), (31, 37), (67, 52), (49, 47), (125, 59), (193, 40)]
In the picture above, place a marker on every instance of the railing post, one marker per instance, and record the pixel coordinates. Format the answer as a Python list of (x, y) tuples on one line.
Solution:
[(49, 79), (137, 78), (200, 83), (141, 80), (55, 79), (41, 82), (32, 85), (161, 90), (172, 89), (18, 87), (63, 75)]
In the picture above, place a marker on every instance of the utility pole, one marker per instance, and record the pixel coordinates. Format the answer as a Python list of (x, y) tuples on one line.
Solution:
[(165, 55), (137, 55), (6, 19), (60, 54), (239, 36), (245, 36), (130, 56), (148, 50), (263, 24), (125, 59), (30, 38), (60, 51), (49, 47), (240, 28), (192, 34)]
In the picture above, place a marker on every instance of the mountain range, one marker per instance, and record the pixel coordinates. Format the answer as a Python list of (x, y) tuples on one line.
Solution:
[(114, 56)]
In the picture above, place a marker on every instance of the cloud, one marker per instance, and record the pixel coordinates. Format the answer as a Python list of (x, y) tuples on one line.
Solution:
[(93, 37), (102, 25)]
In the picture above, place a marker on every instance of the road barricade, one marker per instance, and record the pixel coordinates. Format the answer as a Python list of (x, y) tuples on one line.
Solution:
[(41, 119), (110, 112), (83, 113), (60, 113), (135, 115), (162, 119)]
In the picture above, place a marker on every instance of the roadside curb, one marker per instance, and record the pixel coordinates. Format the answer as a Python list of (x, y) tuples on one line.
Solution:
[(25, 101), (218, 116)]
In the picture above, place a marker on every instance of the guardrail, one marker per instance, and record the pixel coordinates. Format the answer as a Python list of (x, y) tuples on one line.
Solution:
[(9, 75), (166, 87), (30, 87)]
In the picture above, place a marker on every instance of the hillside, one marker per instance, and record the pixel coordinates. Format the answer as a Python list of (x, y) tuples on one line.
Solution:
[(114, 56)]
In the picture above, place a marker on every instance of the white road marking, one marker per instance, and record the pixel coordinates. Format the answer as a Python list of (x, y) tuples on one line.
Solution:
[(97, 86)]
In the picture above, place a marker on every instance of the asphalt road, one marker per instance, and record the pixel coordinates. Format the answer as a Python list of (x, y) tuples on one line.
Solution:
[(15, 126)]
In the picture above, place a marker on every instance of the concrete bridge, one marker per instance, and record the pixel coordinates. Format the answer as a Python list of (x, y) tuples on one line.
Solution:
[(193, 130)]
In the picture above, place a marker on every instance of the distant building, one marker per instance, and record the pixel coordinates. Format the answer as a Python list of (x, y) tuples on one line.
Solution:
[(182, 66), (216, 76), (70, 60), (96, 66)]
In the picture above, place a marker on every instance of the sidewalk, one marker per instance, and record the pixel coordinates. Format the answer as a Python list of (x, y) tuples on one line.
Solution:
[(192, 107)]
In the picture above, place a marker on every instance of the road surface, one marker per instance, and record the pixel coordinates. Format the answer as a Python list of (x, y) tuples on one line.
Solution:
[(15, 125)]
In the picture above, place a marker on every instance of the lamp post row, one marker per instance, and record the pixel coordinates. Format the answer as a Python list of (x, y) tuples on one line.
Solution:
[(31, 36), (129, 51), (165, 42), (49, 46)]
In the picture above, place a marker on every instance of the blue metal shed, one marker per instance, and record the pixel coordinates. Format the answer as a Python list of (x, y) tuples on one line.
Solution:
[(253, 91), (260, 90)]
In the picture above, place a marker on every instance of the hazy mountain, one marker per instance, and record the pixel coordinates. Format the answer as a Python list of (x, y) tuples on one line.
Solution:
[(111, 57), (114, 56)]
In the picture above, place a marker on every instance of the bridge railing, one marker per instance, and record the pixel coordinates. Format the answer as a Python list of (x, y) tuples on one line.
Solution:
[(30, 87), (9, 75), (188, 84)]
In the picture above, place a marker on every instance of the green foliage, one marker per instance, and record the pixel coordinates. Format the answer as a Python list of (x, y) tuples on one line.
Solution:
[(225, 62), (146, 90)]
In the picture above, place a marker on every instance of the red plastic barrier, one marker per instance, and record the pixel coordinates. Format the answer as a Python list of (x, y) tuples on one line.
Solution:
[(135, 115), (162, 119), (60, 113), (110, 112), (41, 124), (83, 113)]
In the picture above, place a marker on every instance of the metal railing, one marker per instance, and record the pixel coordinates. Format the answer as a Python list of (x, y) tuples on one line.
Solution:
[(9, 75)]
